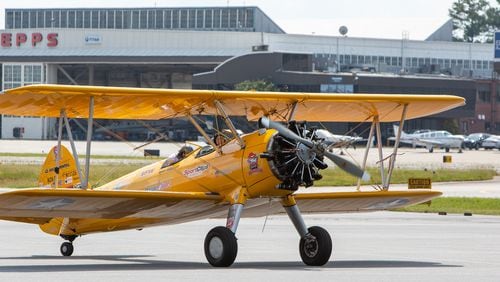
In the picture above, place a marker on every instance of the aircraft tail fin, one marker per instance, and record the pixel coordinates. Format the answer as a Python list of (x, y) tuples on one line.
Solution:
[(68, 173), (396, 128)]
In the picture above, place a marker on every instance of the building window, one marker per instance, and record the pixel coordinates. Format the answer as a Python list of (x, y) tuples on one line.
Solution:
[(175, 18), (119, 19), (217, 19), (127, 22), (32, 19), (111, 19), (86, 19), (71, 19), (79, 19), (184, 19), (48, 19), (159, 19), (168, 19), (199, 18), (484, 96), (94, 19), (225, 18), (208, 18), (40, 19), (17, 19), (151, 19), (26, 19), (16, 75), (9, 20), (135, 19)]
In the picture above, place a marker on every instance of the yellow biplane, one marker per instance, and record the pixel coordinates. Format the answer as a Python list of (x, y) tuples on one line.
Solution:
[(235, 179)]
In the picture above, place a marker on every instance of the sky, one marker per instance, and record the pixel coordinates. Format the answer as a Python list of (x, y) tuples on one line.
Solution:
[(363, 18)]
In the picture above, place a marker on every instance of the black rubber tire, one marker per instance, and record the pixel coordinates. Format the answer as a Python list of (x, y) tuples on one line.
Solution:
[(66, 249), (447, 150), (229, 247), (320, 251), (431, 149)]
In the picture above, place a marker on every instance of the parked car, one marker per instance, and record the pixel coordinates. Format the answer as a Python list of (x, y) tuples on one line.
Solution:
[(475, 140), (492, 142)]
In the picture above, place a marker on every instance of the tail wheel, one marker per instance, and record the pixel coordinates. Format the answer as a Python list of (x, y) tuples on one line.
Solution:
[(66, 249), (316, 248), (221, 247)]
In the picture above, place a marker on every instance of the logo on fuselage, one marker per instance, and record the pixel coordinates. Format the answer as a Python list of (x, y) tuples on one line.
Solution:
[(194, 172)]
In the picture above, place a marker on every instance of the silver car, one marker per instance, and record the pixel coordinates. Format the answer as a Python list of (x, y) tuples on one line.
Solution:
[(492, 142)]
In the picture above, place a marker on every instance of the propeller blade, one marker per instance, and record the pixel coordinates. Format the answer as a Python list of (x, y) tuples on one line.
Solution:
[(284, 131), (348, 166)]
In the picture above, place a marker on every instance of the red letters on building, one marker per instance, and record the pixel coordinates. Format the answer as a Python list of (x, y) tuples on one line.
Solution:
[(6, 39), (52, 39), (20, 38), (36, 37)]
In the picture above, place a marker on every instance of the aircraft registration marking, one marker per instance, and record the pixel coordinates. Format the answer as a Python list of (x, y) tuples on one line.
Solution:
[(52, 203)]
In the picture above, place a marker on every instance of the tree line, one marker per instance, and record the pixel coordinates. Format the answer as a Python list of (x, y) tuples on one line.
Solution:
[(475, 20)]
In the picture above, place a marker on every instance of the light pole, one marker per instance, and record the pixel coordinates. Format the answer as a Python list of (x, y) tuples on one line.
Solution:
[(343, 31)]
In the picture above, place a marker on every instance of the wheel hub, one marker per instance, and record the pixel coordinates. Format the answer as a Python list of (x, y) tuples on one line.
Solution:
[(311, 247), (216, 247)]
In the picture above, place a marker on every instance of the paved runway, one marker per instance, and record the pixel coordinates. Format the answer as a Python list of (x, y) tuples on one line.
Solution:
[(381, 246)]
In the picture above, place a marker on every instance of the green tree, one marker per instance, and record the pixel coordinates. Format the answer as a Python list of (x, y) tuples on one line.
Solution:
[(471, 20), (255, 85), (493, 19)]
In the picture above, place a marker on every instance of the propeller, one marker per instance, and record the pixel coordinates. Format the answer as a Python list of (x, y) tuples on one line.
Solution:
[(315, 148)]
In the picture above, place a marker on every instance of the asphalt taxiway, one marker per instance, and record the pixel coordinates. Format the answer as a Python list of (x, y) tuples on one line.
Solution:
[(380, 246)]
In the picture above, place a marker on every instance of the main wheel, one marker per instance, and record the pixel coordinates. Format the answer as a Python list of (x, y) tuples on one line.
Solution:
[(447, 149), (66, 249), (221, 247), (316, 251)]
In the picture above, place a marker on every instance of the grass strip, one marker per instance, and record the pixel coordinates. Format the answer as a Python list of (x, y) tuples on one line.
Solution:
[(460, 205), (338, 177), (26, 175)]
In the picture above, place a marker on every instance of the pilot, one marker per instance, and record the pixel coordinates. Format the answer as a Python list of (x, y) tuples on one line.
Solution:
[(177, 157), (220, 139)]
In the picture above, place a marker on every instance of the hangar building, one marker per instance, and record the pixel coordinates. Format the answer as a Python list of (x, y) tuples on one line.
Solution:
[(218, 47)]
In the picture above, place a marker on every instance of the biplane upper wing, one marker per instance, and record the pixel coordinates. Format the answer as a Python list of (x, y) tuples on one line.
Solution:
[(143, 103)]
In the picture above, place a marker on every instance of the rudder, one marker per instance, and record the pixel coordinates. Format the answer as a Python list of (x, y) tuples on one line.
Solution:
[(68, 173)]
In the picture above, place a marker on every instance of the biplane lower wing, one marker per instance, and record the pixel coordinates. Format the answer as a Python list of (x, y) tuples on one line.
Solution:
[(342, 202), (39, 205)]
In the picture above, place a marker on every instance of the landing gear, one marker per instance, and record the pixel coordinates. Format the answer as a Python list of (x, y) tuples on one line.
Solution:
[(221, 247), (315, 245), (67, 249), (447, 149)]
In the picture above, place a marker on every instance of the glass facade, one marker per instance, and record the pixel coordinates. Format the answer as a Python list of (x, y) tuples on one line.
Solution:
[(223, 18), (326, 61), (16, 75)]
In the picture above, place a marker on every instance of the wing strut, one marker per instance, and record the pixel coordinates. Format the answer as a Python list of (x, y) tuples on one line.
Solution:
[(392, 159), (368, 144), (59, 139), (198, 127), (72, 142), (90, 122), (386, 178), (229, 123)]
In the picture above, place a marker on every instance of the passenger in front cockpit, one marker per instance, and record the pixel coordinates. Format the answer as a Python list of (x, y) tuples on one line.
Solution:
[(183, 152)]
